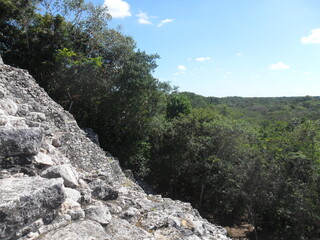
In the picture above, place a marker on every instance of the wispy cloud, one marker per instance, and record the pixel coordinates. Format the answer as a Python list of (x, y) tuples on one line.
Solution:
[(165, 21), (279, 66), (239, 54), (313, 38), (182, 68), (203, 59), (143, 18), (118, 8)]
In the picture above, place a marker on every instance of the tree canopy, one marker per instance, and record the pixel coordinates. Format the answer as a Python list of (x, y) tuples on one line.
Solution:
[(233, 158)]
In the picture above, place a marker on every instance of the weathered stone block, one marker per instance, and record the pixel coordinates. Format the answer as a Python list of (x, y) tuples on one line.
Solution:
[(24, 200), (65, 171), (102, 191), (20, 141), (9, 106), (100, 214), (73, 194), (83, 230)]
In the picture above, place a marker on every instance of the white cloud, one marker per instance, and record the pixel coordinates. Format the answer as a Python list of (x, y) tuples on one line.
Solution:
[(118, 8), (313, 38), (203, 59), (165, 21), (279, 66), (143, 18), (239, 54), (182, 68)]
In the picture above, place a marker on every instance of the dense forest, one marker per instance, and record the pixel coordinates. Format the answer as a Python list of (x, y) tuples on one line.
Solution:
[(235, 159)]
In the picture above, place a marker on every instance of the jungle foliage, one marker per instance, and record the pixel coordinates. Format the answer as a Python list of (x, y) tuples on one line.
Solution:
[(233, 158)]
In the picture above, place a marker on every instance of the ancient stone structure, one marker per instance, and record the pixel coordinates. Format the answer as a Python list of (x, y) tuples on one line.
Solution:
[(57, 184)]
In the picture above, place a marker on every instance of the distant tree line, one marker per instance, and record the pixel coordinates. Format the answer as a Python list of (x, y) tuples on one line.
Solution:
[(235, 158)]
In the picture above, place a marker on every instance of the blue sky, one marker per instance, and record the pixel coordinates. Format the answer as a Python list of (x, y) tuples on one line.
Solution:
[(247, 48)]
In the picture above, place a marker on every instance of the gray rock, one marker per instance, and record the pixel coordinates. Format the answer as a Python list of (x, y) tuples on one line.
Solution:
[(60, 221), (1, 61), (92, 135), (3, 119), (72, 208), (73, 194), (9, 106), (56, 142), (155, 220), (168, 234), (33, 227), (130, 213), (83, 230), (102, 191), (16, 122), (2, 92), (43, 159), (120, 229), (20, 141), (24, 200), (36, 116), (85, 192), (65, 171), (99, 214), (23, 109)]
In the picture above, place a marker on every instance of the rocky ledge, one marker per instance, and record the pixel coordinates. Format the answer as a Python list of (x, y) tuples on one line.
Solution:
[(55, 183)]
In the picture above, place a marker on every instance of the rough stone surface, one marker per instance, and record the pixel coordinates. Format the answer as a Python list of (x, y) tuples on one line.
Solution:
[(92, 135), (73, 194), (102, 191), (65, 171), (72, 208), (83, 230), (100, 214), (127, 231), (43, 159), (8, 106), (38, 138), (23, 200), (17, 142)]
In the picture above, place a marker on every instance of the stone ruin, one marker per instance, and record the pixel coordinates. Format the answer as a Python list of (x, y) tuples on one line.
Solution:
[(55, 183)]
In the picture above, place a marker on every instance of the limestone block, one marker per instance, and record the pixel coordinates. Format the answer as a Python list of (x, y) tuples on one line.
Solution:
[(43, 159), (24, 200), (72, 208), (65, 171), (8, 106), (102, 191), (36, 116), (120, 229), (73, 194), (99, 214), (83, 230), (20, 141)]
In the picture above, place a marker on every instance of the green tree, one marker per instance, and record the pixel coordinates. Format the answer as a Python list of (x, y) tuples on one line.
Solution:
[(178, 104)]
